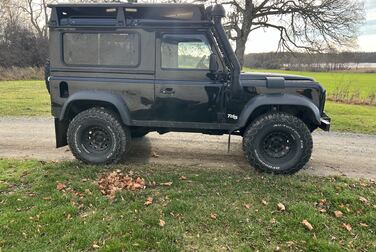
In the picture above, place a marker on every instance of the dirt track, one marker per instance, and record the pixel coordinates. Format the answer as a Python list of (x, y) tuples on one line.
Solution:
[(353, 155)]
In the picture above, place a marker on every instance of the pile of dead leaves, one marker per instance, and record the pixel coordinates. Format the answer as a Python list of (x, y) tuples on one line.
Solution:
[(116, 181)]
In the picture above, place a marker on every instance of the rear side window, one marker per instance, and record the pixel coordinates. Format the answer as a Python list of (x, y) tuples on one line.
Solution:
[(185, 51), (101, 49)]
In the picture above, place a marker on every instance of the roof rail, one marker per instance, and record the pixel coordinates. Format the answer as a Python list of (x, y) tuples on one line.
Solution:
[(124, 14)]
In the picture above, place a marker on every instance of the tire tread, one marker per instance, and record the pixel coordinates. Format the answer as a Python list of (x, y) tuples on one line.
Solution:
[(121, 132), (254, 128)]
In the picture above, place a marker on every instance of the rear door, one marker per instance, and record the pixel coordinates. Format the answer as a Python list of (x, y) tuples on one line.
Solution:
[(183, 91)]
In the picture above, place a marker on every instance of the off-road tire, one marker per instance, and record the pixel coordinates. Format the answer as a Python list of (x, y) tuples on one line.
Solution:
[(256, 143), (108, 122)]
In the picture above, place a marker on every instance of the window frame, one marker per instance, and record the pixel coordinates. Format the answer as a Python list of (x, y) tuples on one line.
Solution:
[(100, 66), (205, 34)]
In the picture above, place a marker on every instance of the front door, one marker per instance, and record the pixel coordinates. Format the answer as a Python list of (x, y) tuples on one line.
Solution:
[(183, 91)]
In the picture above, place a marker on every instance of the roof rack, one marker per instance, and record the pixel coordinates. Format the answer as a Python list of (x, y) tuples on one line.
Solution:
[(124, 14)]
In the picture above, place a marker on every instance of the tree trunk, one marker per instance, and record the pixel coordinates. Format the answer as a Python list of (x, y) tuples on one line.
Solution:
[(240, 50)]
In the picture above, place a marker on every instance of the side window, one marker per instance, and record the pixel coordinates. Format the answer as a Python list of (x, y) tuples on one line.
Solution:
[(101, 49), (185, 51)]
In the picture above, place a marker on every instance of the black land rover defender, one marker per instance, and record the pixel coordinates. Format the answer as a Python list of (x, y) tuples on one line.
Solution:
[(119, 71)]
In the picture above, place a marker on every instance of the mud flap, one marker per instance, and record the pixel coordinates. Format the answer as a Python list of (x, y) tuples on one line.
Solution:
[(61, 128)]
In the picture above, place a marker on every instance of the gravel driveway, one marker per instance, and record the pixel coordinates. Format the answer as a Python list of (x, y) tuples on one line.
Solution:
[(352, 155)]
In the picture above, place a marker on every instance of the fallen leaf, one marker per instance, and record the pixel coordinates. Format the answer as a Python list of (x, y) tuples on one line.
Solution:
[(148, 201), (363, 224), (290, 243), (347, 227), (46, 198), (363, 200), (115, 181), (307, 225), (248, 206), (166, 184), (351, 245), (214, 216), (322, 202), (154, 155), (322, 210), (60, 186), (183, 178), (272, 221), (281, 207), (338, 214), (162, 223), (264, 202), (95, 246)]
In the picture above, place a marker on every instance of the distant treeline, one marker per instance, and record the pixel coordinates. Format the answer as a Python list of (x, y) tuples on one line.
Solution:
[(309, 62), (21, 47)]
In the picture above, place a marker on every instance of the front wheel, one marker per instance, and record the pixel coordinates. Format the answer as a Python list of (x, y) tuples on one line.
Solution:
[(96, 136), (278, 143)]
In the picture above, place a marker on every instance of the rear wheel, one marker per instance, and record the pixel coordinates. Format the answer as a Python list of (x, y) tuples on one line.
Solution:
[(278, 143), (96, 136)]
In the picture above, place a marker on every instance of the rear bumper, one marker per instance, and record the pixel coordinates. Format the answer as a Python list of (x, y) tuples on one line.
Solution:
[(325, 122)]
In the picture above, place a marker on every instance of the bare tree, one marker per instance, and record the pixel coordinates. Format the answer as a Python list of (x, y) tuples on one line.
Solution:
[(35, 13), (310, 25)]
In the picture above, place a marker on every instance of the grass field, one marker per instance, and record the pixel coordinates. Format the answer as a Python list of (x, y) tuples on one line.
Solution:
[(356, 87), (24, 98), (352, 118), (30, 98), (210, 210)]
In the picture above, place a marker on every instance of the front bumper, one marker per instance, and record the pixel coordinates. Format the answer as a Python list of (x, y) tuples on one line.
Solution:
[(325, 122)]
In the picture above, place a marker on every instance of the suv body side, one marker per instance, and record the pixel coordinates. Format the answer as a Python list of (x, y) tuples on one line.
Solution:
[(147, 94)]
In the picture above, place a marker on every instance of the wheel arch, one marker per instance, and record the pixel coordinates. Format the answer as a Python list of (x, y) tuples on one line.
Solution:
[(297, 105), (83, 100)]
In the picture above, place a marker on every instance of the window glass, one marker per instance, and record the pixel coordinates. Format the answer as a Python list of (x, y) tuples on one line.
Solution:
[(106, 49), (185, 52)]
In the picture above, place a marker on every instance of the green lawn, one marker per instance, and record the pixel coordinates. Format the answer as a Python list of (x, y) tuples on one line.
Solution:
[(24, 98), (30, 98), (209, 211), (352, 118), (334, 82)]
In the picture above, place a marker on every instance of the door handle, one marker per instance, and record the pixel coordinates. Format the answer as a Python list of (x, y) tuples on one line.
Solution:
[(167, 91)]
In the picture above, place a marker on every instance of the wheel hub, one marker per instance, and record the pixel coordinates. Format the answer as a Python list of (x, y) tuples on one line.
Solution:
[(97, 139), (277, 144)]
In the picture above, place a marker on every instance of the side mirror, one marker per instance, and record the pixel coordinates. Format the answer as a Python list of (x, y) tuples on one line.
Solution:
[(213, 63)]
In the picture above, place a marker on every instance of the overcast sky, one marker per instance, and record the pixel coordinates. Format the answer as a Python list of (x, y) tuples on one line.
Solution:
[(266, 41), (260, 41)]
